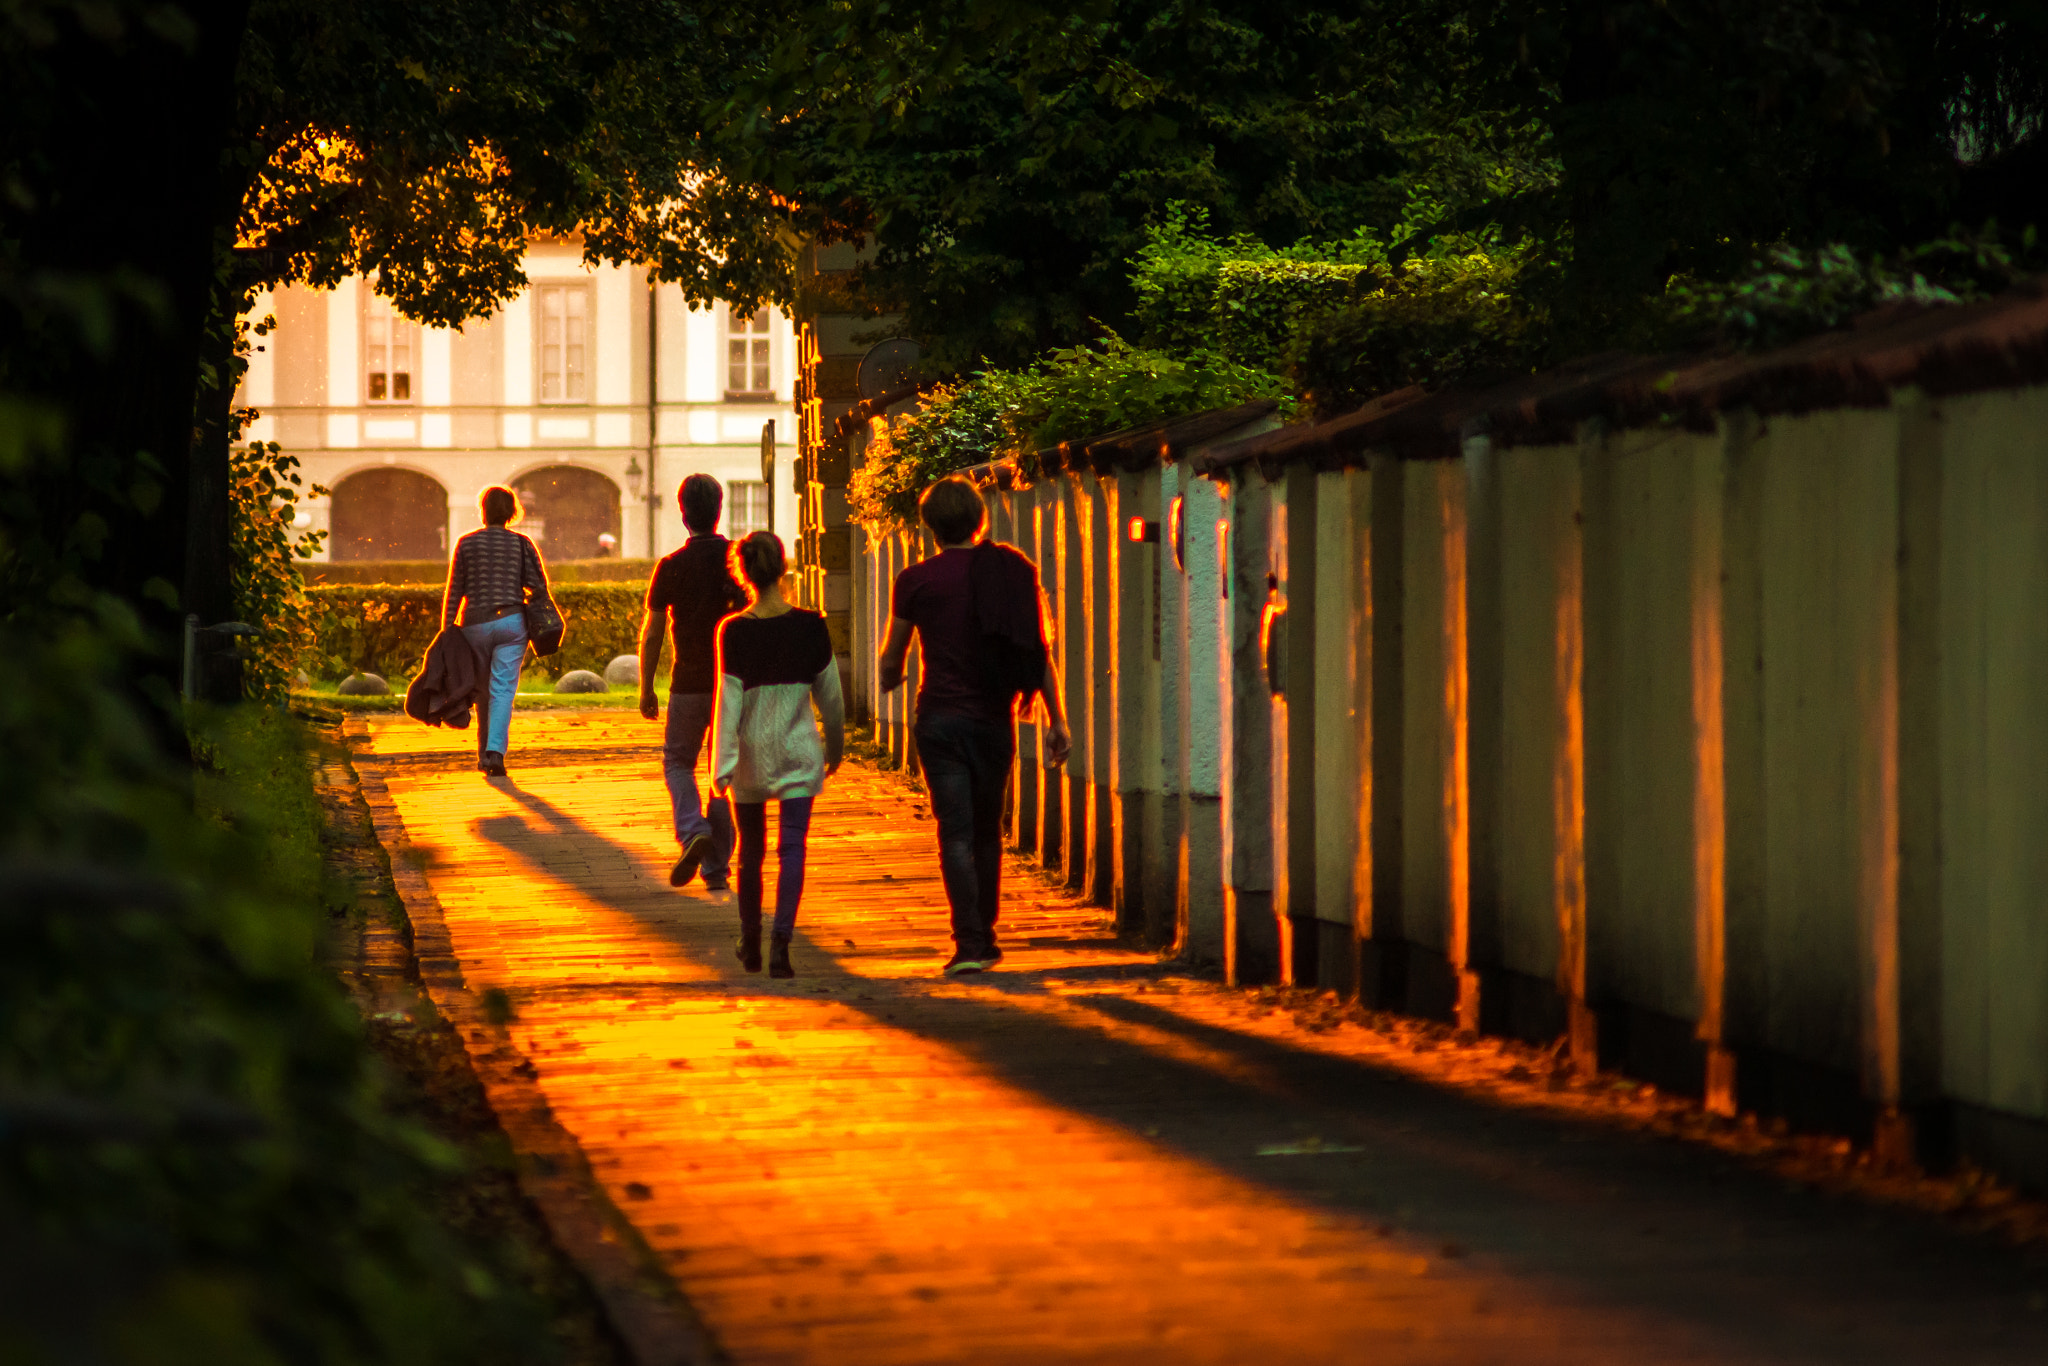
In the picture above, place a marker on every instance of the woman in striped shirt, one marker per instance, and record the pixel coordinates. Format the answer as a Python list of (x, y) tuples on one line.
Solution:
[(774, 662), (494, 572)]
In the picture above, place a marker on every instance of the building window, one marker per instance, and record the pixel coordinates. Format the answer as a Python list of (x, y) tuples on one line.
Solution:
[(746, 507), (390, 348), (747, 373), (564, 342)]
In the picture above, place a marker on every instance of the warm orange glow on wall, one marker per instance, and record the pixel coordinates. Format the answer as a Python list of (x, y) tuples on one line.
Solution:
[(1709, 805), (1457, 777), (1568, 772), (1141, 531)]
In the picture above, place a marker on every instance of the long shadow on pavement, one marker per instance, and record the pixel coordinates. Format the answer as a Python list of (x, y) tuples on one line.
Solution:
[(1645, 1224)]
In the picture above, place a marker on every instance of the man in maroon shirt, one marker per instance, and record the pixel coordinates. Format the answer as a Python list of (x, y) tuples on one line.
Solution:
[(691, 591), (973, 608)]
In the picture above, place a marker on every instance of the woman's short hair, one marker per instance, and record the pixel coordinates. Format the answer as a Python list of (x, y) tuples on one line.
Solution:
[(758, 559), (702, 498), (953, 509), (499, 505)]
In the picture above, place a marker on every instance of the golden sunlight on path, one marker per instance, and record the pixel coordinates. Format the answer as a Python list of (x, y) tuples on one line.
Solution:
[(1088, 1157)]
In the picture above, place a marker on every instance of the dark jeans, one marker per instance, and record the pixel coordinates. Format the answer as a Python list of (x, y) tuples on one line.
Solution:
[(794, 828), (689, 717), (966, 766)]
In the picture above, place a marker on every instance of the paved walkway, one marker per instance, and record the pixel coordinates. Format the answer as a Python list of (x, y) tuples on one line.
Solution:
[(1087, 1157)]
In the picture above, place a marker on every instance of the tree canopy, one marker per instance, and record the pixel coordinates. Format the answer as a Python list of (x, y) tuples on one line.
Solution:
[(1004, 163)]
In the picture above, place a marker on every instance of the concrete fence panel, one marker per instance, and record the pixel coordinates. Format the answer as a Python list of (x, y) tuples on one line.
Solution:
[(1989, 913)]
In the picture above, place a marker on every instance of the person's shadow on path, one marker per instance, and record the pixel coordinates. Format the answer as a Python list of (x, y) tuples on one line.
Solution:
[(1541, 1196)]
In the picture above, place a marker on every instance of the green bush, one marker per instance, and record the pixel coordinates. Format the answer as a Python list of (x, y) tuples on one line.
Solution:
[(196, 1164), (1457, 314), (1344, 320), (1791, 293), (1239, 296), (270, 591), (955, 426), (386, 628), (1077, 392), (435, 572)]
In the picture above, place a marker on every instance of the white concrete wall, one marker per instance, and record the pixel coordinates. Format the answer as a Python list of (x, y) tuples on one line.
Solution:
[(1723, 754)]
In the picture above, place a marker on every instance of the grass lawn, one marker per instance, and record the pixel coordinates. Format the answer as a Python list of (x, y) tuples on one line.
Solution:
[(614, 700), (536, 690)]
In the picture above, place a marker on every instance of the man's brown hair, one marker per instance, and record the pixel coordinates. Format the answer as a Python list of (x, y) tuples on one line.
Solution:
[(701, 498), (953, 509), (499, 505)]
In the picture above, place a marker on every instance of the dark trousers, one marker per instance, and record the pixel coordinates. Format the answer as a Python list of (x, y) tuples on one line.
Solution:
[(966, 766), (794, 828), (689, 718)]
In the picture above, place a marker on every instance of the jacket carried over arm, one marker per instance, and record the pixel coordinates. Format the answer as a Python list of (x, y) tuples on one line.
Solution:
[(448, 683), (494, 569), (772, 670)]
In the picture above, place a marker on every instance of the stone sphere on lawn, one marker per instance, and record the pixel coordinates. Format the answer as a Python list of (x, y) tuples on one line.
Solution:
[(580, 680), (623, 671), (302, 681), (364, 685)]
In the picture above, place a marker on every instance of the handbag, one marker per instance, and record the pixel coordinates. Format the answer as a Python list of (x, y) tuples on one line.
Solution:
[(544, 626)]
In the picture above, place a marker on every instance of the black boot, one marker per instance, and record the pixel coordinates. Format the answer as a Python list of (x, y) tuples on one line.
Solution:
[(749, 947), (778, 957)]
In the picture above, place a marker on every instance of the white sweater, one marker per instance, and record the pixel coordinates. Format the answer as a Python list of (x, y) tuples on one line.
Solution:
[(771, 670)]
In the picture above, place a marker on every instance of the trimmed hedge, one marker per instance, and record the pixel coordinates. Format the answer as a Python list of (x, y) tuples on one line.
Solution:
[(386, 628), (436, 571)]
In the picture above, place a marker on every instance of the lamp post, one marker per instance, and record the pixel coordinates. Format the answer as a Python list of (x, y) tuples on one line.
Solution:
[(634, 475)]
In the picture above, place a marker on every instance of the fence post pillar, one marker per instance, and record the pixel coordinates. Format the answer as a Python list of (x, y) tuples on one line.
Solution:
[(1075, 635), (1254, 934), (1342, 753), (1134, 669), (1294, 725), (1204, 725), (1383, 959), (1166, 782), (1104, 560)]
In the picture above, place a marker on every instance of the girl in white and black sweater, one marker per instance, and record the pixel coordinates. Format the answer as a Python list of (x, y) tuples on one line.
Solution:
[(775, 662)]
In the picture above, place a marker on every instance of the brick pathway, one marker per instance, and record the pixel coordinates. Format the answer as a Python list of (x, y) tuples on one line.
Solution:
[(1087, 1157)]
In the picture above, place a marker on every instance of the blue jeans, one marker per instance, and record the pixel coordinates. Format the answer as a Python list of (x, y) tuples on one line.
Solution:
[(689, 719), (503, 641), (795, 824), (966, 766)]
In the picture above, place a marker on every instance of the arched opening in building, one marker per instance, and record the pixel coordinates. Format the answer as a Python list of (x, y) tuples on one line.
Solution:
[(388, 514), (567, 508)]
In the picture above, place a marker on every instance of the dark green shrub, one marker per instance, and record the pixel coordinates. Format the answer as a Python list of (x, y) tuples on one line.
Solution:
[(1437, 320), (265, 564), (1260, 306), (196, 1164), (386, 628), (1790, 293), (1240, 297)]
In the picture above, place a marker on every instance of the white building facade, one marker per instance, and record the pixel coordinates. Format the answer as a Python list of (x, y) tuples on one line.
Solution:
[(591, 393)]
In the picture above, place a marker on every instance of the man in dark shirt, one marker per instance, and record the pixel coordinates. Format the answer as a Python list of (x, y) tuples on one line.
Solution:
[(692, 591), (965, 737)]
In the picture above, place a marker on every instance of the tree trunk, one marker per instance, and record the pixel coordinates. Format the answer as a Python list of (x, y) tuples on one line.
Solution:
[(128, 189)]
